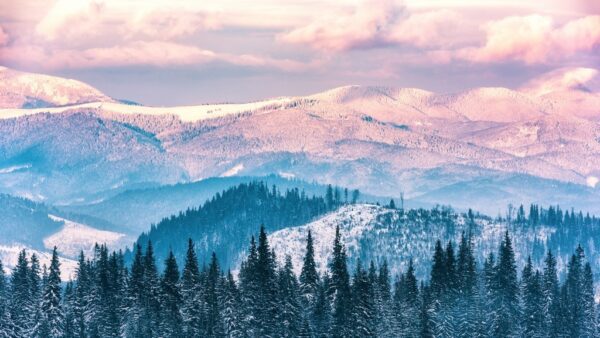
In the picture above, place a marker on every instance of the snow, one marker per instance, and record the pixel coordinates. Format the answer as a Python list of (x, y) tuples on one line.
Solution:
[(233, 171), (76, 237), (20, 88), (185, 113), (13, 168), (592, 181), (10, 253), (353, 220)]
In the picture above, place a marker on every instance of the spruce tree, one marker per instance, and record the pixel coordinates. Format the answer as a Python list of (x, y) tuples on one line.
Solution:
[(309, 278), (589, 327), (171, 321), (339, 289), (467, 314), (191, 308), (7, 328), (531, 291), (322, 310), (214, 324), (21, 303), (506, 290), (551, 297), (267, 282), (232, 314), (363, 307), (151, 293), (52, 312), (290, 311)]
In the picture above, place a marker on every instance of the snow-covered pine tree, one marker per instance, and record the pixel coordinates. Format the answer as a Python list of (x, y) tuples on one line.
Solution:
[(589, 325), (214, 321), (339, 289), (171, 321), (7, 328), (21, 300), (467, 309), (383, 299), (506, 291), (230, 303), (363, 305), (551, 297), (249, 290), (309, 277), (321, 316), (191, 307), (532, 301), (267, 286), (290, 317), (133, 326), (53, 316), (151, 294)]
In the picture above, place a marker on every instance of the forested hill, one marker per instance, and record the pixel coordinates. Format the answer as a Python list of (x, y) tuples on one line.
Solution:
[(25, 221), (225, 223)]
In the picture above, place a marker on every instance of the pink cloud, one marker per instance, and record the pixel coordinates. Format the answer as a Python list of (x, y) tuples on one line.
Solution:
[(3, 37), (561, 79), (150, 53), (76, 21), (359, 27), (535, 39), (379, 23)]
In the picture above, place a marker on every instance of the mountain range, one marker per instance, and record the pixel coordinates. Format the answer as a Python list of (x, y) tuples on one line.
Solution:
[(83, 162), (515, 145)]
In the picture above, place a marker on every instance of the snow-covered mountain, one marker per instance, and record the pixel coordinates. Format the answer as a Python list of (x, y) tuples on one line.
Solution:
[(34, 227), (381, 140), (29, 90), (376, 233)]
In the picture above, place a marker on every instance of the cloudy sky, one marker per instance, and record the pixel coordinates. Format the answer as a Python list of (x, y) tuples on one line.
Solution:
[(166, 52)]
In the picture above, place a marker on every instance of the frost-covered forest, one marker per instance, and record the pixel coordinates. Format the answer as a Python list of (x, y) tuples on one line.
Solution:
[(459, 299)]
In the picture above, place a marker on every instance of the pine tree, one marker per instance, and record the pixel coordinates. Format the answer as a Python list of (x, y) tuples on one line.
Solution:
[(589, 327), (363, 307), (506, 291), (383, 299), (7, 328), (551, 297), (290, 312), (136, 300), (532, 301), (151, 294), (52, 312), (214, 324), (339, 289), (322, 310), (171, 300), (249, 287), (309, 278), (191, 309), (467, 314), (230, 300), (267, 282), (21, 303)]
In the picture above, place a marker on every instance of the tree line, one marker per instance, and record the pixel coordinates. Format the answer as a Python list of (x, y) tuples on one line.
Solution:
[(460, 299), (225, 222)]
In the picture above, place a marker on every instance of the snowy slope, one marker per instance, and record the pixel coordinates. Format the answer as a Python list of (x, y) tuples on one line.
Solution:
[(353, 221), (375, 233), (27, 90), (75, 237), (10, 253), (185, 113)]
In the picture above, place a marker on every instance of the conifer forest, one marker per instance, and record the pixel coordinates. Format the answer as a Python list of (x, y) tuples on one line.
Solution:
[(264, 299)]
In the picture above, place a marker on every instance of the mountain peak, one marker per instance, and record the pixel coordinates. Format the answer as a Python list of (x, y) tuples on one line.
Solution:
[(31, 90)]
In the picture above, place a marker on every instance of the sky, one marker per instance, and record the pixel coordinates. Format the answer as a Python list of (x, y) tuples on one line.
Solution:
[(176, 52)]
